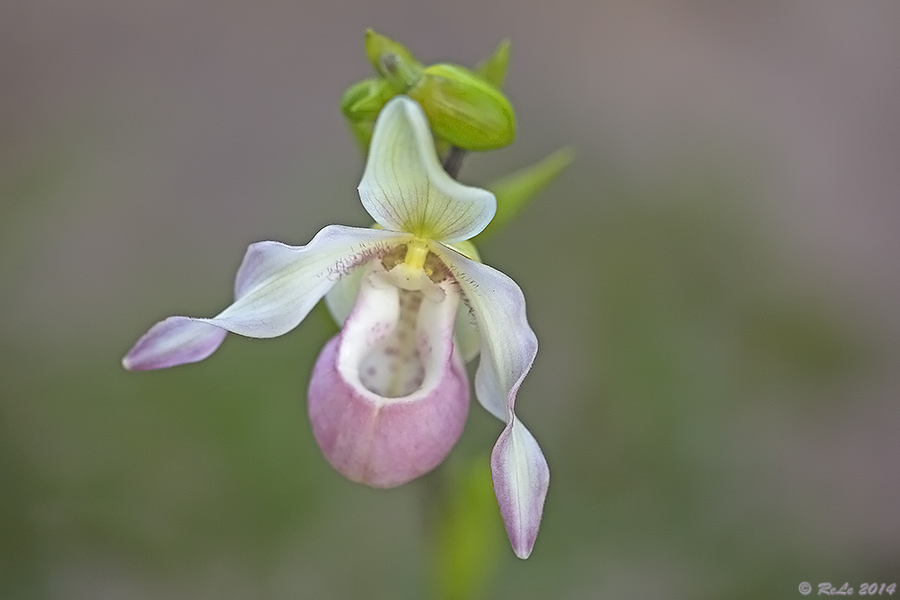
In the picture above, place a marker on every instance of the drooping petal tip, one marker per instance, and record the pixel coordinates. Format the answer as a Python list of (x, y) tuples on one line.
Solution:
[(174, 341), (521, 479)]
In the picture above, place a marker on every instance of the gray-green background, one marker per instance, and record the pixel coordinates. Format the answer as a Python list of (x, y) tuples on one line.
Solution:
[(714, 284)]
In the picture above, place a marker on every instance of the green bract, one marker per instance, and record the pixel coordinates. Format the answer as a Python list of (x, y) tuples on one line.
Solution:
[(493, 68), (515, 190)]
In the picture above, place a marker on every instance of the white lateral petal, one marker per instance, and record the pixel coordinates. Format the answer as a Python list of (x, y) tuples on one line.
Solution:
[(405, 188), (276, 287), (508, 348)]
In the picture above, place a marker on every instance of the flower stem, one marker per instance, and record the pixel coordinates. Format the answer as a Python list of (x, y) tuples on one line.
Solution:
[(464, 529), (453, 161)]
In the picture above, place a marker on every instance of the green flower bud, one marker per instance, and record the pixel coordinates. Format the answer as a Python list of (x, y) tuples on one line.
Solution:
[(364, 100), (464, 109), (493, 68), (392, 61)]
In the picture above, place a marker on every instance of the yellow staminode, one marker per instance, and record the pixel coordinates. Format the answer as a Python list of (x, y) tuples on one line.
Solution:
[(416, 253)]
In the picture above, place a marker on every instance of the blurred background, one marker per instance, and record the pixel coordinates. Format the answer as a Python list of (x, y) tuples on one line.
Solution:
[(714, 284)]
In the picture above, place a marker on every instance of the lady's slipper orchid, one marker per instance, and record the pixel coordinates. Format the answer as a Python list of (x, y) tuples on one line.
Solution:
[(388, 396)]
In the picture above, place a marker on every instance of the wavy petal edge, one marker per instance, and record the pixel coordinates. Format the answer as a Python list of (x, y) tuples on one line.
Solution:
[(508, 348)]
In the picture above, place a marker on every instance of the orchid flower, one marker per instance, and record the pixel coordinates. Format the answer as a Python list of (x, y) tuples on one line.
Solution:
[(389, 395)]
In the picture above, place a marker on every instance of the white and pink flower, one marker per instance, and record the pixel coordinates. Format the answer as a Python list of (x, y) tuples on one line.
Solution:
[(388, 396)]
